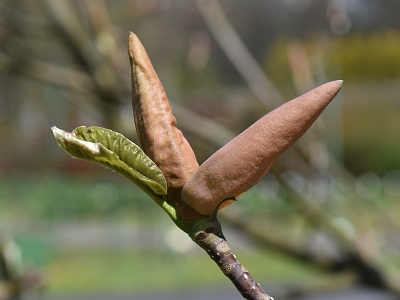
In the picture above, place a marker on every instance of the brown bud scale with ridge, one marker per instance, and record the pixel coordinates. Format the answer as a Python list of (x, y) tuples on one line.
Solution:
[(156, 127), (245, 160)]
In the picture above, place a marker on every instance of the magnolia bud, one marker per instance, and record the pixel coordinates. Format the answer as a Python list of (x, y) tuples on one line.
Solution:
[(156, 127), (241, 163)]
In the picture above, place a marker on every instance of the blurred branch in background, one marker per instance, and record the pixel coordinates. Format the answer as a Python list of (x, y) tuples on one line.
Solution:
[(94, 47), (79, 49), (49, 73), (262, 86), (17, 281), (238, 54)]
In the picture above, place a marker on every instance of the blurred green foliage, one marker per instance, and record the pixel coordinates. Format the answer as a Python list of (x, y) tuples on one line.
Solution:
[(111, 198), (102, 270), (370, 66), (57, 197), (355, 56), (62, 197), (371, 136), (374, 56)]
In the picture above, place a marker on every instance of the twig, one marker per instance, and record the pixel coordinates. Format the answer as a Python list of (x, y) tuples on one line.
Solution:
[(209, 236)]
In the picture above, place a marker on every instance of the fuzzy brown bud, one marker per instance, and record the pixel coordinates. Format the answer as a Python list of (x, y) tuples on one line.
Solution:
[(156, 127), (241, 163)]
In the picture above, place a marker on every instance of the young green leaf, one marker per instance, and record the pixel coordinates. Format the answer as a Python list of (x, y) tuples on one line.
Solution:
[(113, 150)]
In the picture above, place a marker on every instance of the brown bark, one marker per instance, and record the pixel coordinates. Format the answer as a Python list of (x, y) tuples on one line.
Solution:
[(220, 252), (212, 240)]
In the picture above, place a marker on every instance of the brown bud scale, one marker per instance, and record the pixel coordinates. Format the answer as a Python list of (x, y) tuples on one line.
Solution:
[(242, 162), (156, 127)]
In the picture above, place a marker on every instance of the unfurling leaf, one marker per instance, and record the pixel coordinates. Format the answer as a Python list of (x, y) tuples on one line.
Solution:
[(113, 150)]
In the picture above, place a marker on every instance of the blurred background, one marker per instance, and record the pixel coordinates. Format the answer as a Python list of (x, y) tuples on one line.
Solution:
[(326, 216)]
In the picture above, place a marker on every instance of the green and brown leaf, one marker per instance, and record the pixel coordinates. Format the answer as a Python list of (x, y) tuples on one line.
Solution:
[(113, 150)]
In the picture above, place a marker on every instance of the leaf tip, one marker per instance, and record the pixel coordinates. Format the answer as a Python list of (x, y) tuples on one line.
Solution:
[(58, 134), (54, 129)]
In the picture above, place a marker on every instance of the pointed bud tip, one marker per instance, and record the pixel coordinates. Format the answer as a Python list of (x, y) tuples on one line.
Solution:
[(136, 50), (336, 83), (339, 82), (332, 88), (133, 44), (132, 36)]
